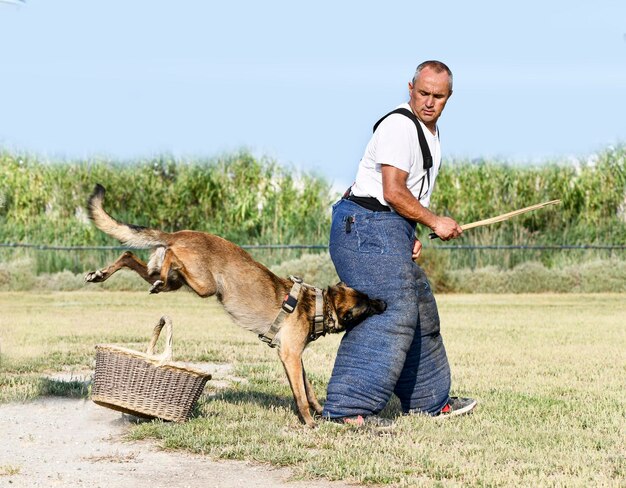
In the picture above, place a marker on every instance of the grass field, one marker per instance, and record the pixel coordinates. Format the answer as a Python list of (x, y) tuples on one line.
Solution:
[(548, 370)]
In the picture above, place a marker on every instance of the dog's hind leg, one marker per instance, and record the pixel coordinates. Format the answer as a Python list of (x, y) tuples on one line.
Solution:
[(126, 260), (292, 361), (174, 273), (310, 394), (169, 263), (173, 270)]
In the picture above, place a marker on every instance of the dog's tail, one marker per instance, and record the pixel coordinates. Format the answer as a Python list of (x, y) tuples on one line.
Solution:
[(128, 234)]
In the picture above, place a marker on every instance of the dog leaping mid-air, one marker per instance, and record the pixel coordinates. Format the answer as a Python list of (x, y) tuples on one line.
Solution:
[(283, 312)]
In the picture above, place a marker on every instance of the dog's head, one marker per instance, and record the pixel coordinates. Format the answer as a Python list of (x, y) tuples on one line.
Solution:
[(351, 306)]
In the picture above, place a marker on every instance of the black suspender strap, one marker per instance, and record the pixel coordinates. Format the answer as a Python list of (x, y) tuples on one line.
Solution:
[(428, 159)]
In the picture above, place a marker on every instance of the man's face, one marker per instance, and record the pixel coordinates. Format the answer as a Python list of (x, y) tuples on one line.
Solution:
[(429, 95)]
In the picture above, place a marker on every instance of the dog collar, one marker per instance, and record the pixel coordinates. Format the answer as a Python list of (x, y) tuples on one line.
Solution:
[(319, 328)]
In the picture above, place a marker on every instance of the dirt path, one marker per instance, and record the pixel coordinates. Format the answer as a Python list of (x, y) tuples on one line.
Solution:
[(63, 442)]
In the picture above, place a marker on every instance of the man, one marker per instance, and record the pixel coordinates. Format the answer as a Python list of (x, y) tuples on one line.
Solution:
[(373, 245)]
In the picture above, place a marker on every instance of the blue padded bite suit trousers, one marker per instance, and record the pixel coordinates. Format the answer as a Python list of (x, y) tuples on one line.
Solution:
[(400, 351)]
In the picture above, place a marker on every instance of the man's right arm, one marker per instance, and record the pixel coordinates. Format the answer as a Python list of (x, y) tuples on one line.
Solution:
[(396, 194)]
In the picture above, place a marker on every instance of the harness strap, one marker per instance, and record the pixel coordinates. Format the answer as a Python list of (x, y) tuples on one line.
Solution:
[(428, 159), (289, 305)]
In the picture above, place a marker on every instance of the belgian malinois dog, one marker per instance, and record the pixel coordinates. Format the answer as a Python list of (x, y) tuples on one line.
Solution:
[(251, 294)]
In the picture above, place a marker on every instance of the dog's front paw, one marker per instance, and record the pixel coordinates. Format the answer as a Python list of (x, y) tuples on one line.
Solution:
[(95, 276), (157, 286)]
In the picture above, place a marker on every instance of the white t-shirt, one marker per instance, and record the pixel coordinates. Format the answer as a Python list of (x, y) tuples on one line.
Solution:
[(395, 143)]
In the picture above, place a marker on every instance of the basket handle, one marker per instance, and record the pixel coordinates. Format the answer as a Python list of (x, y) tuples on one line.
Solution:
[(166, 355)]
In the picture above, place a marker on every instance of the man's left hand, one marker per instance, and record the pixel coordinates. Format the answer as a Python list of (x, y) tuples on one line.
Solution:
[(417, 249)]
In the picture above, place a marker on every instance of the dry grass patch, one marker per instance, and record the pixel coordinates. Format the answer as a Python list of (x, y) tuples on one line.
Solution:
[(9, 470), (548, 371)]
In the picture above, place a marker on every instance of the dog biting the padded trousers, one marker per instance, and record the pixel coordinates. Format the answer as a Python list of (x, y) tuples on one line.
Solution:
[(284, 312)]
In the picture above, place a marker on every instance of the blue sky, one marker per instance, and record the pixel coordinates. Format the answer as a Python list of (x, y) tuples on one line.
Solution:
[(303, 82)]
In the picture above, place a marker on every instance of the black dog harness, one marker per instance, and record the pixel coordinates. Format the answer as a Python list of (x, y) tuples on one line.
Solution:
[(318, 326)]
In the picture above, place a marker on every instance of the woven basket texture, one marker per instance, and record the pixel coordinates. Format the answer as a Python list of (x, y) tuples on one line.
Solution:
[(146, 385)]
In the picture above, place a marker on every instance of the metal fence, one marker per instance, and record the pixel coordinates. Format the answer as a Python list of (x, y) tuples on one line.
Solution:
[(509, 256), (53, 258)]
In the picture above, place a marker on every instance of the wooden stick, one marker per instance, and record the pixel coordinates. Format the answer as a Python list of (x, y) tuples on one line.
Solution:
[(502, 217)]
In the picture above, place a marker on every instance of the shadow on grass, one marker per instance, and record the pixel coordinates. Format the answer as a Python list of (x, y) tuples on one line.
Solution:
[(266, 399), (237, 397), (67, 389), (256, 397)]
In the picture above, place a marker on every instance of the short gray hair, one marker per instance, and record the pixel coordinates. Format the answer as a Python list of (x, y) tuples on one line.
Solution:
[(438, 66)]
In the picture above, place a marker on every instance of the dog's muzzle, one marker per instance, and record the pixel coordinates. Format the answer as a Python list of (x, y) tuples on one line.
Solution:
[(377, 306)]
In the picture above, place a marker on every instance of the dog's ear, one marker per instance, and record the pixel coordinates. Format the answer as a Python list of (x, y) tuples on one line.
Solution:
[(340, 287), (336, 292), (331, 291)]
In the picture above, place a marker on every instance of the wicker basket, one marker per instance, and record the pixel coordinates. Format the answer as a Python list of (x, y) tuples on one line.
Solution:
[(146, 385)]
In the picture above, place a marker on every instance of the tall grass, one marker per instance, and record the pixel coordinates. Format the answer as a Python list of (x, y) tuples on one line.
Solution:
[(257, 201), (243, 199), (592, 191)]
